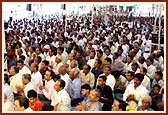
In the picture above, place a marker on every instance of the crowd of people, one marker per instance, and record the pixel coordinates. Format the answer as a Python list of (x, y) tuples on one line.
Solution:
[(107, 65)]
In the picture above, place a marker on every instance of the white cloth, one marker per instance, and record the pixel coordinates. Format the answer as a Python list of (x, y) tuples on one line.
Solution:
[(139, 93), (8, 92), (67, 79), (29, 86), (36, 79), (61, 99), (25, 70), (56, 67), (8, 106), (49, 89), (16, 81), (146, 82), (91, 62), (151, 71)]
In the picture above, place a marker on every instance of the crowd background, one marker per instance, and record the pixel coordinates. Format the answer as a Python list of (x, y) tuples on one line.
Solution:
[(103, 64)]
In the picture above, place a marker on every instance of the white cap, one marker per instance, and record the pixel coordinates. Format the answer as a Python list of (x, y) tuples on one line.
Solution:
[(47, 47)]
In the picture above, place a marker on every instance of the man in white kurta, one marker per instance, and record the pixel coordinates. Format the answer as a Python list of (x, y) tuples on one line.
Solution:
[(135, 92), (60, 99)]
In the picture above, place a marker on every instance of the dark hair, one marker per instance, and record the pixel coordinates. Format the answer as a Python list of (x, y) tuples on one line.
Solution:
[(45, 62), (23, 101), (6, 78), (88, 66), (159, 73), (116, 74), (139, 76), (20, 61), (122, 105), (39, 58), (116, 54), (107, 66), (86, 86), (52, 74), (99, 61), (134, 64), (35, 65), (22, 57), (27, 76), (108, 59), (131, 72), (62, 83), (103, 77), (144, 69), (61, 48), (32, 93), (16, 69), (100, 51), (149, 58), (157, 85), (131, 56)]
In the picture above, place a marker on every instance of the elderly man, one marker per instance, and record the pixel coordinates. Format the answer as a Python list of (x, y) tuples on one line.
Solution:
[(146, 103)]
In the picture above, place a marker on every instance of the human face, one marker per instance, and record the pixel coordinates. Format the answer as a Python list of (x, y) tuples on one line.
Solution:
[(84, 92), (96, 64), (57, 86), (145, 104), (38, 51), (47, 76), (157, 77), (91, 55), (32, 68), (85, 69), (24, 81), (115, 106), (32, 100), (148, 62), (99, 55), (107, 52), (12, 71), (156, 90), (136, 82), (141, 71), (20, 66), (70, 56), (93, 96), (129, 60), (106, 71), (129, 77), (43, 66), (17, 106), (71, 74), (100, 82)]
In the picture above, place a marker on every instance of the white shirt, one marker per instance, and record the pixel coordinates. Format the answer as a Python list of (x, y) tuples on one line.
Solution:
[(66, 79), (28, 87), (146, 82), (139, 93), (128, 67), (61, 99), (91, 62), (151, 71), (49, 89), (51, 59), (25, 70), (28, 110), (8, 106), (36, 79), (56, 67), (8, 92), (16, 81)]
